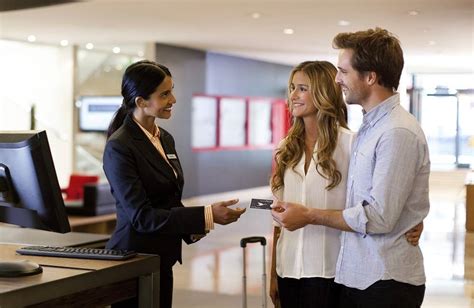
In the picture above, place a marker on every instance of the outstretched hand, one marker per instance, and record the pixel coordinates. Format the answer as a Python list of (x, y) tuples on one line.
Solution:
[(223, 215), (291, 216)]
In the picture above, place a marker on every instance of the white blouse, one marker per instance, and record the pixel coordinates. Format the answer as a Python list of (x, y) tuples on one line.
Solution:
[(312, 251)]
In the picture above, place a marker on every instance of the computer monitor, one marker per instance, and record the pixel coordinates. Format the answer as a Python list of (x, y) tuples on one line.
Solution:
[(30, 195)]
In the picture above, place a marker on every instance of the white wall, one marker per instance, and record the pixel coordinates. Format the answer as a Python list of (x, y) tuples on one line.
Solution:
[(43, 76)]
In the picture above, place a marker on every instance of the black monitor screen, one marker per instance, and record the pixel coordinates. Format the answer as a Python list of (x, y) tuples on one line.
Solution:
[(96, 112), (30, 195)]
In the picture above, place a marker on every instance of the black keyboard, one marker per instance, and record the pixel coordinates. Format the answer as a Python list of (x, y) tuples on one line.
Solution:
[(77, 252)]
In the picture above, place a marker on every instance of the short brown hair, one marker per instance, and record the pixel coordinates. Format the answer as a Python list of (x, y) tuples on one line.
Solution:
[(375, 50)]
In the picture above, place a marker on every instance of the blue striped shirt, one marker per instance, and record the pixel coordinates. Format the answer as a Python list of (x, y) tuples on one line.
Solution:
[(387, 195)]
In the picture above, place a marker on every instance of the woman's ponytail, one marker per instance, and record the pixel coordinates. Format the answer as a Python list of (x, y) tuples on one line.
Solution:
[(117, 120)]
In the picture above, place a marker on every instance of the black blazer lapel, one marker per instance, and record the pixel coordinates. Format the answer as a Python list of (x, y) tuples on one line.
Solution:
[(150, 153), (170, 151)]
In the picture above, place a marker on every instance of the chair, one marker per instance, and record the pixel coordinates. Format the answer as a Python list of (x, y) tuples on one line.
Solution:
[(75, 190)]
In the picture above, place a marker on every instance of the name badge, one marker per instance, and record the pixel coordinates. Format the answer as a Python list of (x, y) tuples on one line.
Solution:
[(171, 156)]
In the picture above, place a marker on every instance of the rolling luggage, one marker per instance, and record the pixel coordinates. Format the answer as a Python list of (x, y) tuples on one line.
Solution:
[(243, 244)]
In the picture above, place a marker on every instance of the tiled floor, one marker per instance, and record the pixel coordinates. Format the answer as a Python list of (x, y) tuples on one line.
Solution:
[(211, 275)]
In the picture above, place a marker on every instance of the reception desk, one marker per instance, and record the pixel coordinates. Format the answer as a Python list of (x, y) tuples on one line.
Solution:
[(68, 282)]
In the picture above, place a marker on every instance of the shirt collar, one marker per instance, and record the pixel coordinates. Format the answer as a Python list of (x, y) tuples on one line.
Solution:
[(156, 133), (374, 115)]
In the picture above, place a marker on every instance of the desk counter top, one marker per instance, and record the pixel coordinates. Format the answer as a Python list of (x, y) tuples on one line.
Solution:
[(66, 276), (25, 236)]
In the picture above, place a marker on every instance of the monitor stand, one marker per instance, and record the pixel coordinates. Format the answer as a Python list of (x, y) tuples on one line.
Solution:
[(19, 268)]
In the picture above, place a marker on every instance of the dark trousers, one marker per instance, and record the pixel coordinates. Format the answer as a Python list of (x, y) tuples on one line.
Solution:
[(383, 294), (308, 292), (166, 291)]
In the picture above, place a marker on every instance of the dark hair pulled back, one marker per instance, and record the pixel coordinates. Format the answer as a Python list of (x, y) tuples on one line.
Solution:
[(139, 80)]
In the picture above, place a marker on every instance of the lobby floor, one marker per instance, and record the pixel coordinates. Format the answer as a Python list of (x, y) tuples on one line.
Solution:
[(211, 274)]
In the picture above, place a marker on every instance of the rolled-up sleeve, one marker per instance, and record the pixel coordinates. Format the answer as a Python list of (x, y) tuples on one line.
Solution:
[(356, 218), (390, 184)]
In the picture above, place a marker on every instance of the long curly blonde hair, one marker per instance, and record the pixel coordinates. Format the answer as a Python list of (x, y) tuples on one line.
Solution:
[(331, 114)]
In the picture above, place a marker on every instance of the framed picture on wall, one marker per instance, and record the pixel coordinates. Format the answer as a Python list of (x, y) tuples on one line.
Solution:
[(237, 123), (232, 118), (204, 122), (259, 122)]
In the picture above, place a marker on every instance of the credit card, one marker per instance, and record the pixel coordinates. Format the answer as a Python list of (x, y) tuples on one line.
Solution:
[(261, 204)]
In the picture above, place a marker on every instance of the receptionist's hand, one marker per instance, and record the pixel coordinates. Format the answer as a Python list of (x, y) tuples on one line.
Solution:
[(224, 215)]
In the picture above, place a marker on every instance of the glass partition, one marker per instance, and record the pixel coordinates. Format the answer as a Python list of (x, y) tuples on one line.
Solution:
[(445, 110), (98, 78)]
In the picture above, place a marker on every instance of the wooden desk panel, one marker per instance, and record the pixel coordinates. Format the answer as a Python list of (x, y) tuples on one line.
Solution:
[(102, 224)]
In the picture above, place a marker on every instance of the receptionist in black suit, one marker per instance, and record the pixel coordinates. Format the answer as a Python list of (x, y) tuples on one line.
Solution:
[(146, 179)]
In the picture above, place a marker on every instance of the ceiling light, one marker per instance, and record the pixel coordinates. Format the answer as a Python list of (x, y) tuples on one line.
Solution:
[(288, 31), (89, 46), (31, 38), (256, 15), (413, 13), (140, 53), (343, 23), (431, 43), (116, 50), (64, 43)]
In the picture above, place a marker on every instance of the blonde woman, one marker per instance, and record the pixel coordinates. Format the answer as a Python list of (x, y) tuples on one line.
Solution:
[(311, 169)]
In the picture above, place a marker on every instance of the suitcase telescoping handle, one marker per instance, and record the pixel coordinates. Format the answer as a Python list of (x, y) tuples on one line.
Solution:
[(243, 244), (253, 239)]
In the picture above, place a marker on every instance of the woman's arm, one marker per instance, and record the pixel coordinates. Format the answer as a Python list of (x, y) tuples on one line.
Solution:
[(273, 275)]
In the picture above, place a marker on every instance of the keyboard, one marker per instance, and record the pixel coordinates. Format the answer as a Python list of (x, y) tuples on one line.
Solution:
[(77, 252)]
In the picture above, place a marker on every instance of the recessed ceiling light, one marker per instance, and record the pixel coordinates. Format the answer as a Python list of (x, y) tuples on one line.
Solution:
[(116, 50), (343, 23), (431, 43), (256, 15), (288, 31), (140, 53), (89, 46), (413, 13), (31, 38), (64, 43)]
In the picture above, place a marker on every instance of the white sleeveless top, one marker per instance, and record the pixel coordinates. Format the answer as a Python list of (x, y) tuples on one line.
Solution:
[(312, 251)]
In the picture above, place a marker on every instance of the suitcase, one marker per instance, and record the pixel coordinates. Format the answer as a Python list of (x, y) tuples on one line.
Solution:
[(243, 244)]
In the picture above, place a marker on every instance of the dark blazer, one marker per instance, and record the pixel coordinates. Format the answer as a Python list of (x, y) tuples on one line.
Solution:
[(150, 215)]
